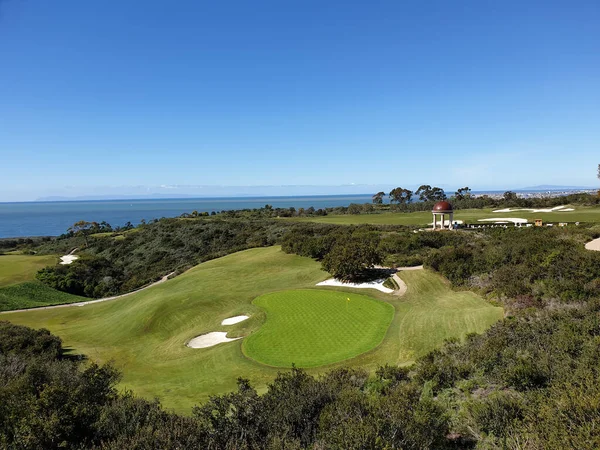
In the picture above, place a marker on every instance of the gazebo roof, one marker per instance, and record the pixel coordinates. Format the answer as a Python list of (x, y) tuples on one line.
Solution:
[(442, 207)]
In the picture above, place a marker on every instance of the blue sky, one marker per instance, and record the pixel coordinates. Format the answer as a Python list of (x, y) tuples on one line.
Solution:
[(102, 96)]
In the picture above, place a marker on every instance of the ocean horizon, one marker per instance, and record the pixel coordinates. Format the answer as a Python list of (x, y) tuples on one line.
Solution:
[(53, 218)]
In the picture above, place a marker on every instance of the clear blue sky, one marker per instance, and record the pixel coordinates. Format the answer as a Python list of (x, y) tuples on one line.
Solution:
[(105, 94)]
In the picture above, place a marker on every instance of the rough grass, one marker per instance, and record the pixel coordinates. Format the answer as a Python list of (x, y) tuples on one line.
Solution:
[(311, 328), (581, 214), (145, 333), (20, 268), (33, 294)]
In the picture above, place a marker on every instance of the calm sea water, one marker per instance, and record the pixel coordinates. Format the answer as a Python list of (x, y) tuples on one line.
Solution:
[(53, 218)]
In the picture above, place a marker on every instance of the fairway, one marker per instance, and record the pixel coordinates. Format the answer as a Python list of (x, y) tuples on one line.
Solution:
[(312, 328), (470, 216), (144, 334), (19, 268)]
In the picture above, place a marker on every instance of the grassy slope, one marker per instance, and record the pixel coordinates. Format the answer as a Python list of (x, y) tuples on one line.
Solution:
[(33, 294), (581, 214), (145, 333), (18, 288), (311, 327), (20, 268)]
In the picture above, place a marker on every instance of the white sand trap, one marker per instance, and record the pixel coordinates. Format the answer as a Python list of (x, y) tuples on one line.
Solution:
[(543, 210), (210, 340), (593, 245), (68, 259), (447, 222), (377, 284), (234, 320), (514, 220)]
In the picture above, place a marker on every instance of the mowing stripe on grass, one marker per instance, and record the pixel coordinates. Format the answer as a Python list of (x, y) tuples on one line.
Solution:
[(311, 328)]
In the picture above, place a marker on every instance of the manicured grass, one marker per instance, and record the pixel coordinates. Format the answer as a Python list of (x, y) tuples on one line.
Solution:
[(311, 328), (33, 294), (145, 333), (581, 214), (19, 268)]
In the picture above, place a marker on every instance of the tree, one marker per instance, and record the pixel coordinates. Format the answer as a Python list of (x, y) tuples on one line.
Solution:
[(400, 195), (83, 228), (463, 193), (437, 194), (378, 198), (424, 192), (349, 257), (510, 196)]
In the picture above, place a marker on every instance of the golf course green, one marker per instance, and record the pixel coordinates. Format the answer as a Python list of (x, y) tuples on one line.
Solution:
[(311, 328), (144, 334)]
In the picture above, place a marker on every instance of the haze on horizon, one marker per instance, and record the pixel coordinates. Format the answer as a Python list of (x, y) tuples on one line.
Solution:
[(100, 97)]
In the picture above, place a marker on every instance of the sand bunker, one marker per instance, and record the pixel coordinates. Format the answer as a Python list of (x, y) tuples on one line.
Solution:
[(593, 245), (234, 320), (543, 210), (377, 284), (514, 220), (210, 339), (68, 259)]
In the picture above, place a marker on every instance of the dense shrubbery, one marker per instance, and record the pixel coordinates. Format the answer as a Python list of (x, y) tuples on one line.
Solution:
[(530, 382), (524, 266), (111, 265)]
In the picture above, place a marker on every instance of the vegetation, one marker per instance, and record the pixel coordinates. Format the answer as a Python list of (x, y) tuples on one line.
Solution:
[(17, 268), (33, 295), (529, 382), (311, 328), (423, 217), (145, 332), (115, 266)]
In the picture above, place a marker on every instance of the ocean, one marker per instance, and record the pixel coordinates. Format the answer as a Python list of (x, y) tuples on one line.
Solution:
[(53, 218)]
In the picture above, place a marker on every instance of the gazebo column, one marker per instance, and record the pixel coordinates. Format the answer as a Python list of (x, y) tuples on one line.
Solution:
[(443, 220), (434, 221)]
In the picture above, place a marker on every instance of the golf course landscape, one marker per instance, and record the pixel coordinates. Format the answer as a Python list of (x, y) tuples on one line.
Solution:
[(471, 216), (145, 334)]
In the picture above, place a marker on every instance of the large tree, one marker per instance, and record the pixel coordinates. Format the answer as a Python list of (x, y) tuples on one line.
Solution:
[(463, 193), (378, 198), (349, 258), (424, 191), (400, 195)]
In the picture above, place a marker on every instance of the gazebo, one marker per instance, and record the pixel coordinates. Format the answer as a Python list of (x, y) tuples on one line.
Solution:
[(441, 209)]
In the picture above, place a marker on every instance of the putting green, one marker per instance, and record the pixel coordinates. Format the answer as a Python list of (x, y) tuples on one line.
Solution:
[(311, 328)]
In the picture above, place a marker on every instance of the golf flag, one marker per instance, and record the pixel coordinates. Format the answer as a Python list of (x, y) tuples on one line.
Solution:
[(347, 300)]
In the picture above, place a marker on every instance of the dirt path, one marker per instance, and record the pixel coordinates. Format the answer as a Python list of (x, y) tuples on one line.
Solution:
[(106, 299), (593, 245), (402, 288)]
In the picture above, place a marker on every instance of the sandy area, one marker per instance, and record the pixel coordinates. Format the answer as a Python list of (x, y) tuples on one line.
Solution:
[(377, 284), (514, 220), (543, 210), (68, 259), (210, 339), (593, 245), (234, 320)]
